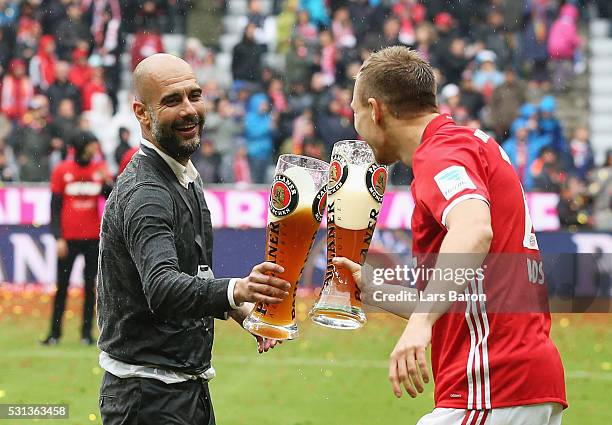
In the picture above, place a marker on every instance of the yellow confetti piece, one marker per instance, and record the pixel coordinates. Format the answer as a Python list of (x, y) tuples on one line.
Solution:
[(598, 348), (44, 299), (564, 322), (606, 366), (328, 373), (2, 393), (329, 355), (69, 314), (92, 417), (96, 370), (17, 310)]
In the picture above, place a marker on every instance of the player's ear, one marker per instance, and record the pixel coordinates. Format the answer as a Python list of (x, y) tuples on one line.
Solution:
[(375, 110), (141, 113)]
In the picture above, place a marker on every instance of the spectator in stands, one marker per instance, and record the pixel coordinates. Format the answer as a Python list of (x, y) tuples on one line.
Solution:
[(42, 66), (505, 103), (71, 31), (17, 91), (487, 77), (62, 89), (450, 103), (259, 131), (146, 43), (563, 44), (317, 11), (299, 63), (123, 145), (305, 29), (582, 155), (453, 62), (523, 147), (425, 38), (247, 57), (390, 35), (93, 86), (242, 172), (547, 172), (573, 207), (494, 38), (80, 72), (550, 126), (285, 25), (445, 27), (31, 142), (537, 15), (471, 99), (223, 129), (332, 126), (328, 57), (28, 34), (342, 29), (208, 162), (8, 13), (63, 127)]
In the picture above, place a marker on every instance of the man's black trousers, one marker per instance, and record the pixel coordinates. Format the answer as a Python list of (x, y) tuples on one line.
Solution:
[(89, 249), (133, 401)]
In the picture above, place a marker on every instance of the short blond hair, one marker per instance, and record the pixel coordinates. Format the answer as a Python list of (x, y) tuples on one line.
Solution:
[(401, 79)]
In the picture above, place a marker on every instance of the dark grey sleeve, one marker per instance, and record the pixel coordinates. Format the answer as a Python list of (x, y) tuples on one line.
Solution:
[(148, 231)]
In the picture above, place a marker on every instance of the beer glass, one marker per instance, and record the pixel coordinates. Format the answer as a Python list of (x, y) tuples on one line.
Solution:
[(354, 195), (297, 202)]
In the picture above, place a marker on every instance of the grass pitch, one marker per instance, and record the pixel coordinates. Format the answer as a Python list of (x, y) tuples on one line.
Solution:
[(324, 377)]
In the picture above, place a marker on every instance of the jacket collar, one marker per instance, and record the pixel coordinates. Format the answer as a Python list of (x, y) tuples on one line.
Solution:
[(184, 174)]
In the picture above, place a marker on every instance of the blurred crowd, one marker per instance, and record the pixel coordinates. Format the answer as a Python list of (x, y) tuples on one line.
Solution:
[(501, 66)]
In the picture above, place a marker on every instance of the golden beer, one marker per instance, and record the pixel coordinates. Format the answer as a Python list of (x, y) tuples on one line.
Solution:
[(297, 202), (355, 192)]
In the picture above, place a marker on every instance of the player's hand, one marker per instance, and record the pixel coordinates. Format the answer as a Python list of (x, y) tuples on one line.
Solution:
[(408, 361), (241, 313), (61, 248), (361, 274), (258, 286)]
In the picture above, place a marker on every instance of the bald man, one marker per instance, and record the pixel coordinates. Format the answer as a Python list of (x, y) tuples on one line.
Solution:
[(157, 296)]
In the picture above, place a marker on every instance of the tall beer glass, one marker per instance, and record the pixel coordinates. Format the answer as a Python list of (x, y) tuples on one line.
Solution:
[(297, 202), (354, 196)]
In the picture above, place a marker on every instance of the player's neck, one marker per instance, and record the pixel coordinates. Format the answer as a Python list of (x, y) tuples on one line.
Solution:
[(407, 135)]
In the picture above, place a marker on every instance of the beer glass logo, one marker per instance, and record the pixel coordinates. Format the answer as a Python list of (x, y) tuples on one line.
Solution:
[(338, 172), (376, 181), (319, 203), (283, 197)]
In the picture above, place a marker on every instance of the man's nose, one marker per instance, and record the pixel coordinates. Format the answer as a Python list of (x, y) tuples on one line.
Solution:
[(187, 108)]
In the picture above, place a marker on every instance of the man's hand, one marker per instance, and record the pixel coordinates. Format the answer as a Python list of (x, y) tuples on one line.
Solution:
[(361, 274), (61, 248), (258, 286), (239, 314), (409, 357)]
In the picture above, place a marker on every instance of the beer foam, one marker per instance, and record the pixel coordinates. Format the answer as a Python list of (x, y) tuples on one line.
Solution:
[(352, 202), (305, 186)]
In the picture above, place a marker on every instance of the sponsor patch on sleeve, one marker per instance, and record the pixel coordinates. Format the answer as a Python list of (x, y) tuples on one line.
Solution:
[(453, 180)]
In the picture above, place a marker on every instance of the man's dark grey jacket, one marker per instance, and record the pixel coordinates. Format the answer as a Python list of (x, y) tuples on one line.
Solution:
[(152, 310)]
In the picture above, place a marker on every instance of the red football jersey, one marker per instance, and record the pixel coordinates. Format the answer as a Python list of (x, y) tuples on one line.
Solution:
[(81, 188), (496, 352)]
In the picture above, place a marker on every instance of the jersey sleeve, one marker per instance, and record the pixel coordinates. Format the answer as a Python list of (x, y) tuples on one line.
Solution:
[(449, 173), (57, 180)]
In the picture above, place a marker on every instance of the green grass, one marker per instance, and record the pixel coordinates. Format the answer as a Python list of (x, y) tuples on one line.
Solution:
[(324, 377)]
